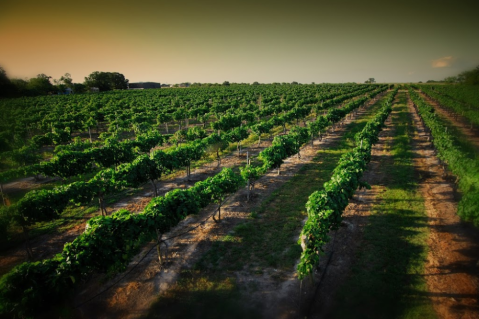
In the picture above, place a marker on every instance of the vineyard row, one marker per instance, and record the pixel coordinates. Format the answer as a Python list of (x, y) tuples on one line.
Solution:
[(110, 242)]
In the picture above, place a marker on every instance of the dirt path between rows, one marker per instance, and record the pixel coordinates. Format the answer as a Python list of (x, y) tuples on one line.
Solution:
[(335, 267), (452, 266), (133, 295), (457, 120)]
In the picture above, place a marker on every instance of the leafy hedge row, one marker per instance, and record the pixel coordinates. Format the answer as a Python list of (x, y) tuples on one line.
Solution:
[(468, 111), (83, 155), (67, 163), (461, 165), (326, 206), (110, 242), (284, 146), (44, 205)]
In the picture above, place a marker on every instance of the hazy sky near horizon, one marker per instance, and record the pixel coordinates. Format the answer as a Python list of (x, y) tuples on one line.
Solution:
[(241, 41)]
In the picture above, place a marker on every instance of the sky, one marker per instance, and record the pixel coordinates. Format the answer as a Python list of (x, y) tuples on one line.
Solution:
[(212, 41)]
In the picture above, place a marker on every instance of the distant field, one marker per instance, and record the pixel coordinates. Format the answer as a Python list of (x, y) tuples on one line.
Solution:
[(268, 201)]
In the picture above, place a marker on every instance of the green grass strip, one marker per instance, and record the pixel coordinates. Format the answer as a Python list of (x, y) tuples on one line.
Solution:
[(387, 280)]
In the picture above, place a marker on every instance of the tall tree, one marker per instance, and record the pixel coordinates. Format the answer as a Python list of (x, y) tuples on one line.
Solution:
[(20, 86), (118, 81), (471, 77), (79, 88), (64, 82), (106, 81), (7, 88), (40, 85)]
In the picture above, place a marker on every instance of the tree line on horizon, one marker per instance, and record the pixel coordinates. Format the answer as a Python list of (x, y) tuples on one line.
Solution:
[(470, 77), (42, 84), (106, 81), (103, 81)]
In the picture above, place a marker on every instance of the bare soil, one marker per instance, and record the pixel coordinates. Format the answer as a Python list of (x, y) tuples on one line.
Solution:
[(133, 295), (452, 266)]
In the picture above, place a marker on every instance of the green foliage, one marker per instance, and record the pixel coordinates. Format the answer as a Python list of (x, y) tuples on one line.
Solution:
[(25, 156), (106, 81), (394, 243), (79, 158), (463, 100), (470, 77), (238, 134), (251, 173), (40, 85), (465, 168), (325, 207), (195, 133), (20, 294), (5, 222), (41, 205), (227, 122), (7, 88), (109, 242)]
